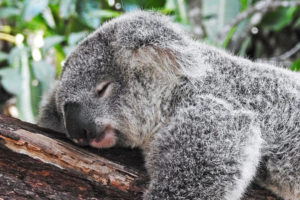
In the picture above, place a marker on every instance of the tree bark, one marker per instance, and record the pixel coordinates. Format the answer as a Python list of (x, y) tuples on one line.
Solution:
[(37, 163)]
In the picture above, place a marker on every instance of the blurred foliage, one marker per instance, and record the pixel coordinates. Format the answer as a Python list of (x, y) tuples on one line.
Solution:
[(36, 35)]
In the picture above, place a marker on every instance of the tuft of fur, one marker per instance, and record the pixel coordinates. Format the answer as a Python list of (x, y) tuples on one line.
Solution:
[(208, 122)]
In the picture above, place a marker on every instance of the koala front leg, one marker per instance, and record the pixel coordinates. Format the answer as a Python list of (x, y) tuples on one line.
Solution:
[(207, 153)]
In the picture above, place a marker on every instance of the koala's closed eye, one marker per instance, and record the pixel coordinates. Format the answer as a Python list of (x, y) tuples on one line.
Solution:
[(103, 89)]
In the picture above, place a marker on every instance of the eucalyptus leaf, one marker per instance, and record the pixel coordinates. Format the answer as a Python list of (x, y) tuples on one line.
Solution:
[(36, 97), (25, 97), (33, 8), (9, 12), (245, 4), (228, 37), (14, 57), (297, 23), (44, 72), (221, 12), (84, 8), (244, 46), (170, 5), (278, 19), (129, 5), (67, 8), (11, 80), (48, 16), (3, 56), (68, 49), (50, 41), (104, 13), (74, 38), (182, 11), (296, 65)]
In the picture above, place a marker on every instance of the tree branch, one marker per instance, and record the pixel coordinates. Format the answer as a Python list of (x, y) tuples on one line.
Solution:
[(83, 169), (259, 7), (37, 163), (288, 54)]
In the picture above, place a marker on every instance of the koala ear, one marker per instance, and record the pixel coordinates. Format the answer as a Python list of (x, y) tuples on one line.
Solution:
[(164, 60), (148, 39), (161, 60)]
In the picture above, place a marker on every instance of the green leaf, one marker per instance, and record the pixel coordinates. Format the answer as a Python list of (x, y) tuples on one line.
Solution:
[(36, 23), (245, 4), (129, 5), (50, 41), (221, 12), (48, 16), (297, 23), (11, 80), (36, 97), (25, 97), (54, 2), (59, 57), (33, 8), (228, 37), (67, 8), (244, 46), (170, 5), (84, 8), (9, 12), (182, 10), (74, 38), (178, 9), (296, 65), (104, 13), (259, 48), (68, 49), (18, 81), (44, 72), (14, 57), (278, 19), (3, 56)]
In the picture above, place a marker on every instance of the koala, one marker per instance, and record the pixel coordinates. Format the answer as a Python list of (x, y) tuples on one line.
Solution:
[(208, 122)]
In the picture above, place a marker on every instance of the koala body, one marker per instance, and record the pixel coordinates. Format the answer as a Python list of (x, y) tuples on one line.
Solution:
[(208, 122)]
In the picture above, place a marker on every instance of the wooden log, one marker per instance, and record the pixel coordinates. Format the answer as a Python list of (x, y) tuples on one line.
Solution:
[(37, 163)]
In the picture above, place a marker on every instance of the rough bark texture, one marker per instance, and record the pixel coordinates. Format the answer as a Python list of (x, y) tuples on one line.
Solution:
[(37, 163)]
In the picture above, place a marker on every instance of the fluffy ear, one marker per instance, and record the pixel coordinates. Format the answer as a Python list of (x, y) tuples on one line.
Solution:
[(147, 39), (164, 60), (158, 60)]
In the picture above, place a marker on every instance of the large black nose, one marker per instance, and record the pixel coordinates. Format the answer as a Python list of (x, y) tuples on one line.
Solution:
[(79, 122)]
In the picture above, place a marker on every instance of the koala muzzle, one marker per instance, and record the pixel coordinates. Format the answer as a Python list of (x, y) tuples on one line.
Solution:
[(83, 130), (80, 126)]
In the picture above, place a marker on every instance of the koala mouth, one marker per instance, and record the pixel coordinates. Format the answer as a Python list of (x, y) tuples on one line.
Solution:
[(107, 139)]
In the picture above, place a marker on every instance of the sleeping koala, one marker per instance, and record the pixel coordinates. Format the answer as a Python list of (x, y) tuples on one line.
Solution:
[(208, 122)]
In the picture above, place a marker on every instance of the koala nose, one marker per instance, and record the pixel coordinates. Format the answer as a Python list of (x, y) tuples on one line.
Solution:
[(79, 123)]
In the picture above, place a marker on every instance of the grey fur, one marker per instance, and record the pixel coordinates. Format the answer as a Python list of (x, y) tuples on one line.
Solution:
[(208, 122)]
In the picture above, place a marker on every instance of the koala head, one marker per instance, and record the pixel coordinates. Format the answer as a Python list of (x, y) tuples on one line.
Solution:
[(116, 85)]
